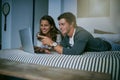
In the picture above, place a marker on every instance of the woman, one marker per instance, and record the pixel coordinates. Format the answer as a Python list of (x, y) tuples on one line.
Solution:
[(48, 29)]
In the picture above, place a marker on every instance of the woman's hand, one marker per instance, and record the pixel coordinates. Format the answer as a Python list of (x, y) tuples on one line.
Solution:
[(38, 49), (41, 50), (47, 51)]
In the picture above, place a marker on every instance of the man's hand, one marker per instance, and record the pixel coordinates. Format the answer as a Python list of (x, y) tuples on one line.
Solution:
[(45, 40)]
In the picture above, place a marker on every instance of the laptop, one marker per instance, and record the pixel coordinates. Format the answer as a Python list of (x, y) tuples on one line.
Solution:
[(26, 40)]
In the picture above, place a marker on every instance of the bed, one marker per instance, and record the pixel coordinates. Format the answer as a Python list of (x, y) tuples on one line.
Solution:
[(103, 62)]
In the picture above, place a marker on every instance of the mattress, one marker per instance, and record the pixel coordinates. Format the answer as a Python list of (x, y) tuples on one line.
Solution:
[(104, 62)]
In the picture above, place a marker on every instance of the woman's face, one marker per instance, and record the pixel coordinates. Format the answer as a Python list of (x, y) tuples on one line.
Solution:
[(45, 26)]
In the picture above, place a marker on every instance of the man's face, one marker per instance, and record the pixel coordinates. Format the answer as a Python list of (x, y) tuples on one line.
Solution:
[(64, 26)]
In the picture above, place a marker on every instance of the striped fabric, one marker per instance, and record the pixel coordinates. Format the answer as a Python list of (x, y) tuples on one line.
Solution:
[(105, 62)]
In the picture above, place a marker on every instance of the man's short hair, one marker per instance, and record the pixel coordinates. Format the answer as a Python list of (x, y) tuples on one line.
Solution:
[(69, 17)]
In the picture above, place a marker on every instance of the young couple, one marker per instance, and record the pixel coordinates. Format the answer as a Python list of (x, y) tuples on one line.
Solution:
[(75, 39)]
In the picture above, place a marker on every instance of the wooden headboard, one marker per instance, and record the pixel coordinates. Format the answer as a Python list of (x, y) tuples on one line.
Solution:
[(102, 32)]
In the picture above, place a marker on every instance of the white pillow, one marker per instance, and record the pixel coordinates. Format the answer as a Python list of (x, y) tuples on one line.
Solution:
[(110, 37)]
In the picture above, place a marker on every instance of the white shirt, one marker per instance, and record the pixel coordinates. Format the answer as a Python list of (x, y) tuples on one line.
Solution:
[(71, 41), (39, 44)]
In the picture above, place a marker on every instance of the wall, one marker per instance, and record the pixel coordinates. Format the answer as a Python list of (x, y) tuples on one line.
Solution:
[(41, 8), (116, 14), (0, 23), (102, 23), (6, 35), (55, 9), (21, 16)]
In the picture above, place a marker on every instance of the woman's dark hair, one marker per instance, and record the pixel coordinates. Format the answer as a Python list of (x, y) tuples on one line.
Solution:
[(69, 17), (53, 31)]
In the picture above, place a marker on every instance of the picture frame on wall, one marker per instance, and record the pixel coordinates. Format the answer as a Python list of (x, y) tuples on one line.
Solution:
[(93, 8)]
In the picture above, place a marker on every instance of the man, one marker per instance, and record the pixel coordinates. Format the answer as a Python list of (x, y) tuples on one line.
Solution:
[(76, 40)]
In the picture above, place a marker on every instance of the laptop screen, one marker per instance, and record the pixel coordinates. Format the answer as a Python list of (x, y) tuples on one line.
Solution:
[(26, 40)]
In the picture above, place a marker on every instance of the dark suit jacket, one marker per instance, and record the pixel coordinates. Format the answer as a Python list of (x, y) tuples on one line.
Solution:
[(83, 41)]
